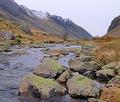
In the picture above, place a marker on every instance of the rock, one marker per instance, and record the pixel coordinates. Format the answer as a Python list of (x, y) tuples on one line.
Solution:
[(7, 35), (64, 76), (117, 68), (57, 53), (90, 74), (84, 58), (110, 65), (105, 74), (81, 86), (40, 87), (49, 68), (111, 94), (94, 100), (82, 67), (114, 24), (115, 81)]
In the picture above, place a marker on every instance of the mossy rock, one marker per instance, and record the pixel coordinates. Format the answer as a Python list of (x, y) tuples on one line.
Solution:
[(82, 67), (40, 87), (49, 68), (81, 86)]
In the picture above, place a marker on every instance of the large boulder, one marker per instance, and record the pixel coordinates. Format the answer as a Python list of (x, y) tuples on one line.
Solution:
[(82, 67), (64, 76), (111, 94), (40, 87), (105, 74), (49, 68), (81, 86)]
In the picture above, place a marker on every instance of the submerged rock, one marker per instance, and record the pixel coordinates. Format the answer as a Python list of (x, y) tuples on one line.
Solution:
[(40, 87), (82, 67), (111, 94), (81, 86), (49, 68)]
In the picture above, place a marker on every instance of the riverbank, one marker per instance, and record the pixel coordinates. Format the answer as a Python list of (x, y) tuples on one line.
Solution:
[(79, 62)]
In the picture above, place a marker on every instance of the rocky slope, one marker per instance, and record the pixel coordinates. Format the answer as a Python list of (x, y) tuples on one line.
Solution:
[(114, 28), (43, 21)]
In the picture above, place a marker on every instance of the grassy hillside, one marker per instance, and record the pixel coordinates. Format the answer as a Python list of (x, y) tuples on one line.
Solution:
[(26, 34)]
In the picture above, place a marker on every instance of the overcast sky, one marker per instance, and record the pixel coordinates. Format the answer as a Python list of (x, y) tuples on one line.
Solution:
[(93, 15)]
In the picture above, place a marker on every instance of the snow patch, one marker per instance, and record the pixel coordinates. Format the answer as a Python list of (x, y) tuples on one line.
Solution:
[(41, 14)]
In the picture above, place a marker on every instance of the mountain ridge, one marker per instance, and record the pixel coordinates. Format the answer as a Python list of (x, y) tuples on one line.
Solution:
[(43, 21)]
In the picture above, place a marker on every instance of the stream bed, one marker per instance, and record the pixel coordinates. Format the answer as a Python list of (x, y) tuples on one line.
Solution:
[(16, 64)]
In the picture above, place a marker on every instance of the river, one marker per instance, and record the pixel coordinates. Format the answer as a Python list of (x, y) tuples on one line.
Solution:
[(16, 64)]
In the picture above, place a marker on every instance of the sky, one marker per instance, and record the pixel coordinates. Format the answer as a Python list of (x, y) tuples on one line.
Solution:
[(93, 15)]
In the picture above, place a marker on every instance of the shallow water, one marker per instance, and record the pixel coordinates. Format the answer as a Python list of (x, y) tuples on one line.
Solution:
[(13, 66)]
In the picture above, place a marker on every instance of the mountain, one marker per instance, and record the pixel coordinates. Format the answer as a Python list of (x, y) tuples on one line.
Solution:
[(114, 28), (52, 24)]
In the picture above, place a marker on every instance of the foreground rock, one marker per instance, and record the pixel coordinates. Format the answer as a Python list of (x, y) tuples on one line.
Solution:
[(82, 67), (81, 86), (49, 68), (40, 87), (111, 94), (105, 74), (64, 76)]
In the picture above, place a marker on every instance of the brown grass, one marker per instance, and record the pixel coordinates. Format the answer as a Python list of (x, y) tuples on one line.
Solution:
[(37, 35), (108, 49)]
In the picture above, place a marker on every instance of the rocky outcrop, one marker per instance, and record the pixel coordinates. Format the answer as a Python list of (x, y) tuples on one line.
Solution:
[(81, 86), (49, 68), (114, 28), (40, 87), (114, 24)]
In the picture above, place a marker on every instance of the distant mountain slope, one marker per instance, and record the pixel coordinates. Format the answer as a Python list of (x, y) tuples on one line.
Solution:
[(115, 23), (52, 24)]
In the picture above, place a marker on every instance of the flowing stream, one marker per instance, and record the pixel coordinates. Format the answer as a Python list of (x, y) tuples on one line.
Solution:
[(16, 64)]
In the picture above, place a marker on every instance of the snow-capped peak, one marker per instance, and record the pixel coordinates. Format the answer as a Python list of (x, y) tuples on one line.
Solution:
[(41, 14)]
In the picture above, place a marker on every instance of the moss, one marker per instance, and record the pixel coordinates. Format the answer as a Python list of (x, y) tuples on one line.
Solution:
[(83, 81), (40, 82), (54, 65)]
